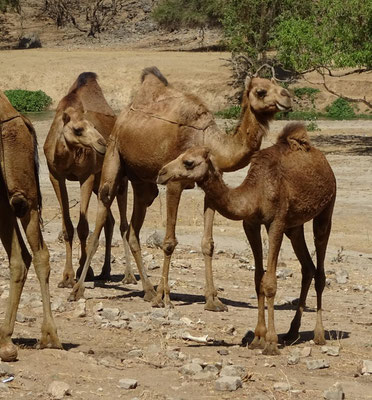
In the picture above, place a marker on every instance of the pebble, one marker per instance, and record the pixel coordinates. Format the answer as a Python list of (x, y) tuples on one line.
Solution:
[(342, 277), (204, 376), (335, 392), (223, 352), (110, 314), (331, 350), (155, 240), (284, 273), (228, 383), (128, 383), (139, 326), (367, 367), (58, 389), (5, 369), (23, 318), (282, 386), (58, 305), (80, 310), (232, 370), (293, 359), (135, 353), (305, 352), (317, 364), (190, 369)]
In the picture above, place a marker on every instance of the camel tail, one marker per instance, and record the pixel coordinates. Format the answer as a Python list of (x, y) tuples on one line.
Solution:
[(154, 71), (295, 136)]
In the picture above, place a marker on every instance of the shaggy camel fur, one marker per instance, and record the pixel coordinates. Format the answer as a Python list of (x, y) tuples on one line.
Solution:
[(20, 197), (159, 125), (74, 149), (287, 185)]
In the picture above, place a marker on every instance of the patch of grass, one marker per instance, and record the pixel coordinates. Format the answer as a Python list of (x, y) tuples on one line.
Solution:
[(232, 112), (340, 109), (302, 92), (28, 100)]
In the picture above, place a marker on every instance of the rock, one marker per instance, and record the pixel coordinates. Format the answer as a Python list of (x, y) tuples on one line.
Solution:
[(282, 386), (335, 392), (110, 313), (135, 353), (155, 240), (58, 305), (212, 369), (342, 276), (139, 326), (284, 273), (367, 367), (29, 41), (232, 370), (223, 352), (317, 364), (98, 307), (128, 383), (331, 350), (5, 369), (228, 383), (190, 369), (204, 376), (80, 310), (229, 329), (305, 352), (23, 318), (59, 389), (293, 359)]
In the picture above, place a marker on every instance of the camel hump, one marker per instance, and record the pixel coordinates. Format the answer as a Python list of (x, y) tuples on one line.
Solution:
[(295, 136), (154, 71)]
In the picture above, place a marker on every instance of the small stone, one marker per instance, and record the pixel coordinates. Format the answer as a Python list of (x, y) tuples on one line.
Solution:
[(282, 386), (293, 359), (232, 370), (331, 350), (135, 353), (335, 392), (317, 364), (128, 383), (190, 369), (155, 240), (229, 329), (284, 273), (110, 313), (228, 383), (5, 369), (98, 307), (305, 352), (342, 277), (367, 367), (59, 389), (223, 352), (203, 376), (212, 369), (58, 305), (139, 326), (23, 318)]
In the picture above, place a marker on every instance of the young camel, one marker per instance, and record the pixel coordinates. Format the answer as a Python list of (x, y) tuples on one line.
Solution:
[(159, 125), (20, 197), (74, 149), (287, 185)]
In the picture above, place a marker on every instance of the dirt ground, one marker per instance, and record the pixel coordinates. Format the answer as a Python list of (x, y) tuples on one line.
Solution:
[(145, 344)]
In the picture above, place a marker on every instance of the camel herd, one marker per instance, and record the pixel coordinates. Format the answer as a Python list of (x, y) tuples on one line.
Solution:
[(168, 137)]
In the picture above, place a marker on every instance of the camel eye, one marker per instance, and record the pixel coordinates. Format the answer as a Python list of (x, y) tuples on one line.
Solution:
[(188, 164), (78, 131), (261, 93)]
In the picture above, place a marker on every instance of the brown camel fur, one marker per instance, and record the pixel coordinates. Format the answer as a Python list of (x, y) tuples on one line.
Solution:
[(157, 127), (20, 197), (74, 149), (287, 185)]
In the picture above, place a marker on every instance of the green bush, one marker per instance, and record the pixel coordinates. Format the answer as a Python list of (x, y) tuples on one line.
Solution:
[(27, 100), (232, 112), (340, 109)]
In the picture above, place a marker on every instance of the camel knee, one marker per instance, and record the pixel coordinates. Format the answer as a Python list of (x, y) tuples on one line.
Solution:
[(68, 233), (105, 194), (83, 229), (269, 287), (169, 245), (19, 204), (18, 271), (123, 227), (207, 246)]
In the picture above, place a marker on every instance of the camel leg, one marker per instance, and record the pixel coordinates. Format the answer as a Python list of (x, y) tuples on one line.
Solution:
[(212, 302), (297, 237), (122, 200), (40, 260), (322, 228), (144, 195), (67, 229), (86, 188), (253, 233), (106, 194), (269, 283), (19, 263), (173, 196), (105, 274)]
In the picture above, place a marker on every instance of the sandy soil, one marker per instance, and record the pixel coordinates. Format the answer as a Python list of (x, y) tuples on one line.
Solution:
[(97, 353)]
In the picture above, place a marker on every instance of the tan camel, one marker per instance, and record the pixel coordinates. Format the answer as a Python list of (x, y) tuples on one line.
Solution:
[(20, 197), (74, 149), (160, 124), (287, 185)]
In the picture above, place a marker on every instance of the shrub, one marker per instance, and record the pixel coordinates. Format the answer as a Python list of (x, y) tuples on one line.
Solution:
[(340, 109), (27, 100), (232, 112)]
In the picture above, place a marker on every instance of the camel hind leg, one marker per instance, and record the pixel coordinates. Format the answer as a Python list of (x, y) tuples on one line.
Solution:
[(322, 228)]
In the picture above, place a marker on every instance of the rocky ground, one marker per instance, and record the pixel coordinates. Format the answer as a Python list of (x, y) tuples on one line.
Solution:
[(117, 346)]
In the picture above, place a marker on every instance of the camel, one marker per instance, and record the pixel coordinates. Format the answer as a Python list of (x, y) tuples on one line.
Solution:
[(74, 149), (160, 124), (287, 185), (20, 197)]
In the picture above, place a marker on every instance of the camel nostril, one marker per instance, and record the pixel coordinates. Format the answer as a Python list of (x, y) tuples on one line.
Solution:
[(102, 142), (285, 92)]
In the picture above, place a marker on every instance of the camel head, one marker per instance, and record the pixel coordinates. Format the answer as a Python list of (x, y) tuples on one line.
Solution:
[(191, 166), (79, 132), (266, 96)]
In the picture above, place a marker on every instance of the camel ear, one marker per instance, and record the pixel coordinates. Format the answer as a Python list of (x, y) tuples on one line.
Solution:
[(247, 82), (273, 80), (66, 117)]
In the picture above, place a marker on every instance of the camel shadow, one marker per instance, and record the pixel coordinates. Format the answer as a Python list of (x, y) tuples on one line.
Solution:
[(32, 344)]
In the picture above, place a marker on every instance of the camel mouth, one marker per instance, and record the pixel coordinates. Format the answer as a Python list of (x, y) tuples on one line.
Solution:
[(281, 107), (162, 179)]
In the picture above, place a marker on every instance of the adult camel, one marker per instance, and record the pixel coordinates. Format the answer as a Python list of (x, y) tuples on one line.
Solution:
[(20, 198), (161, 123), (287, 185), (74, 149)]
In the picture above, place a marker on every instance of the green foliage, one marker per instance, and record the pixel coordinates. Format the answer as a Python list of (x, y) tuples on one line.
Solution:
[(340, 109), (303, 92), (27, 100), (232, 112)]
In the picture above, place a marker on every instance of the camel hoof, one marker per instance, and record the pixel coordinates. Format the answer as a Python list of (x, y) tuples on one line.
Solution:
[(257, 343), (319, 340), (89, 276), (77, 292), (67, 283), (157, 302), (8, 352), (271, 349), (149, 295), (103, 277), (215, 305), (129, 279)]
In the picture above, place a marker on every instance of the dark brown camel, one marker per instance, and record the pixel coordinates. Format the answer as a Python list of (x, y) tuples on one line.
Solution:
[(74, 149), (161, 123), (20, 197), (287, 185)]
